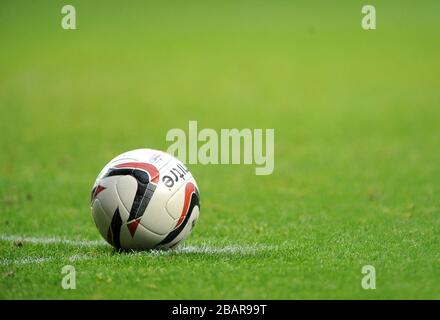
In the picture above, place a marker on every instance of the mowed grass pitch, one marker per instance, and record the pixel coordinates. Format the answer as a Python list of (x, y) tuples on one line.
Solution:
[(356, 116)]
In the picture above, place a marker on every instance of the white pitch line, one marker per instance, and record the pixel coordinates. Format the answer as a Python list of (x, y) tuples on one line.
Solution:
[(23, 261), (200, 249), (53, 240), (38, 260), (207, 249)]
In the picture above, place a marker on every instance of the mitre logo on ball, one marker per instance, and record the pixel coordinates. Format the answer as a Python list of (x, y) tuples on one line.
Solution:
[(145, 199)]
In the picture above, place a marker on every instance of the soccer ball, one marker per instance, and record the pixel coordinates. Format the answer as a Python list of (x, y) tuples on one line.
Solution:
[(145, 199)]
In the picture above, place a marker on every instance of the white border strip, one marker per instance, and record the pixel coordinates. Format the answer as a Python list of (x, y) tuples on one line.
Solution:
[(39, 260), (192, 249), (53, 240)]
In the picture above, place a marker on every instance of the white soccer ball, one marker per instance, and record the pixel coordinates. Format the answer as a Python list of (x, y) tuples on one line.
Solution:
[(145, 199)]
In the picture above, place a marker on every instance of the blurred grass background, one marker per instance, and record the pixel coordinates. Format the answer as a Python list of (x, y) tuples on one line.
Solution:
[(356, 117)]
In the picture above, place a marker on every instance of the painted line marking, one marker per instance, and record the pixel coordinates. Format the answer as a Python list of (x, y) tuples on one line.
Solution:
[(184, 249), (39, 260), (53, 240)]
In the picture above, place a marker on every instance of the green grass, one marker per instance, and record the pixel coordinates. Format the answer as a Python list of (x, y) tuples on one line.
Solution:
[(356, 117)]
